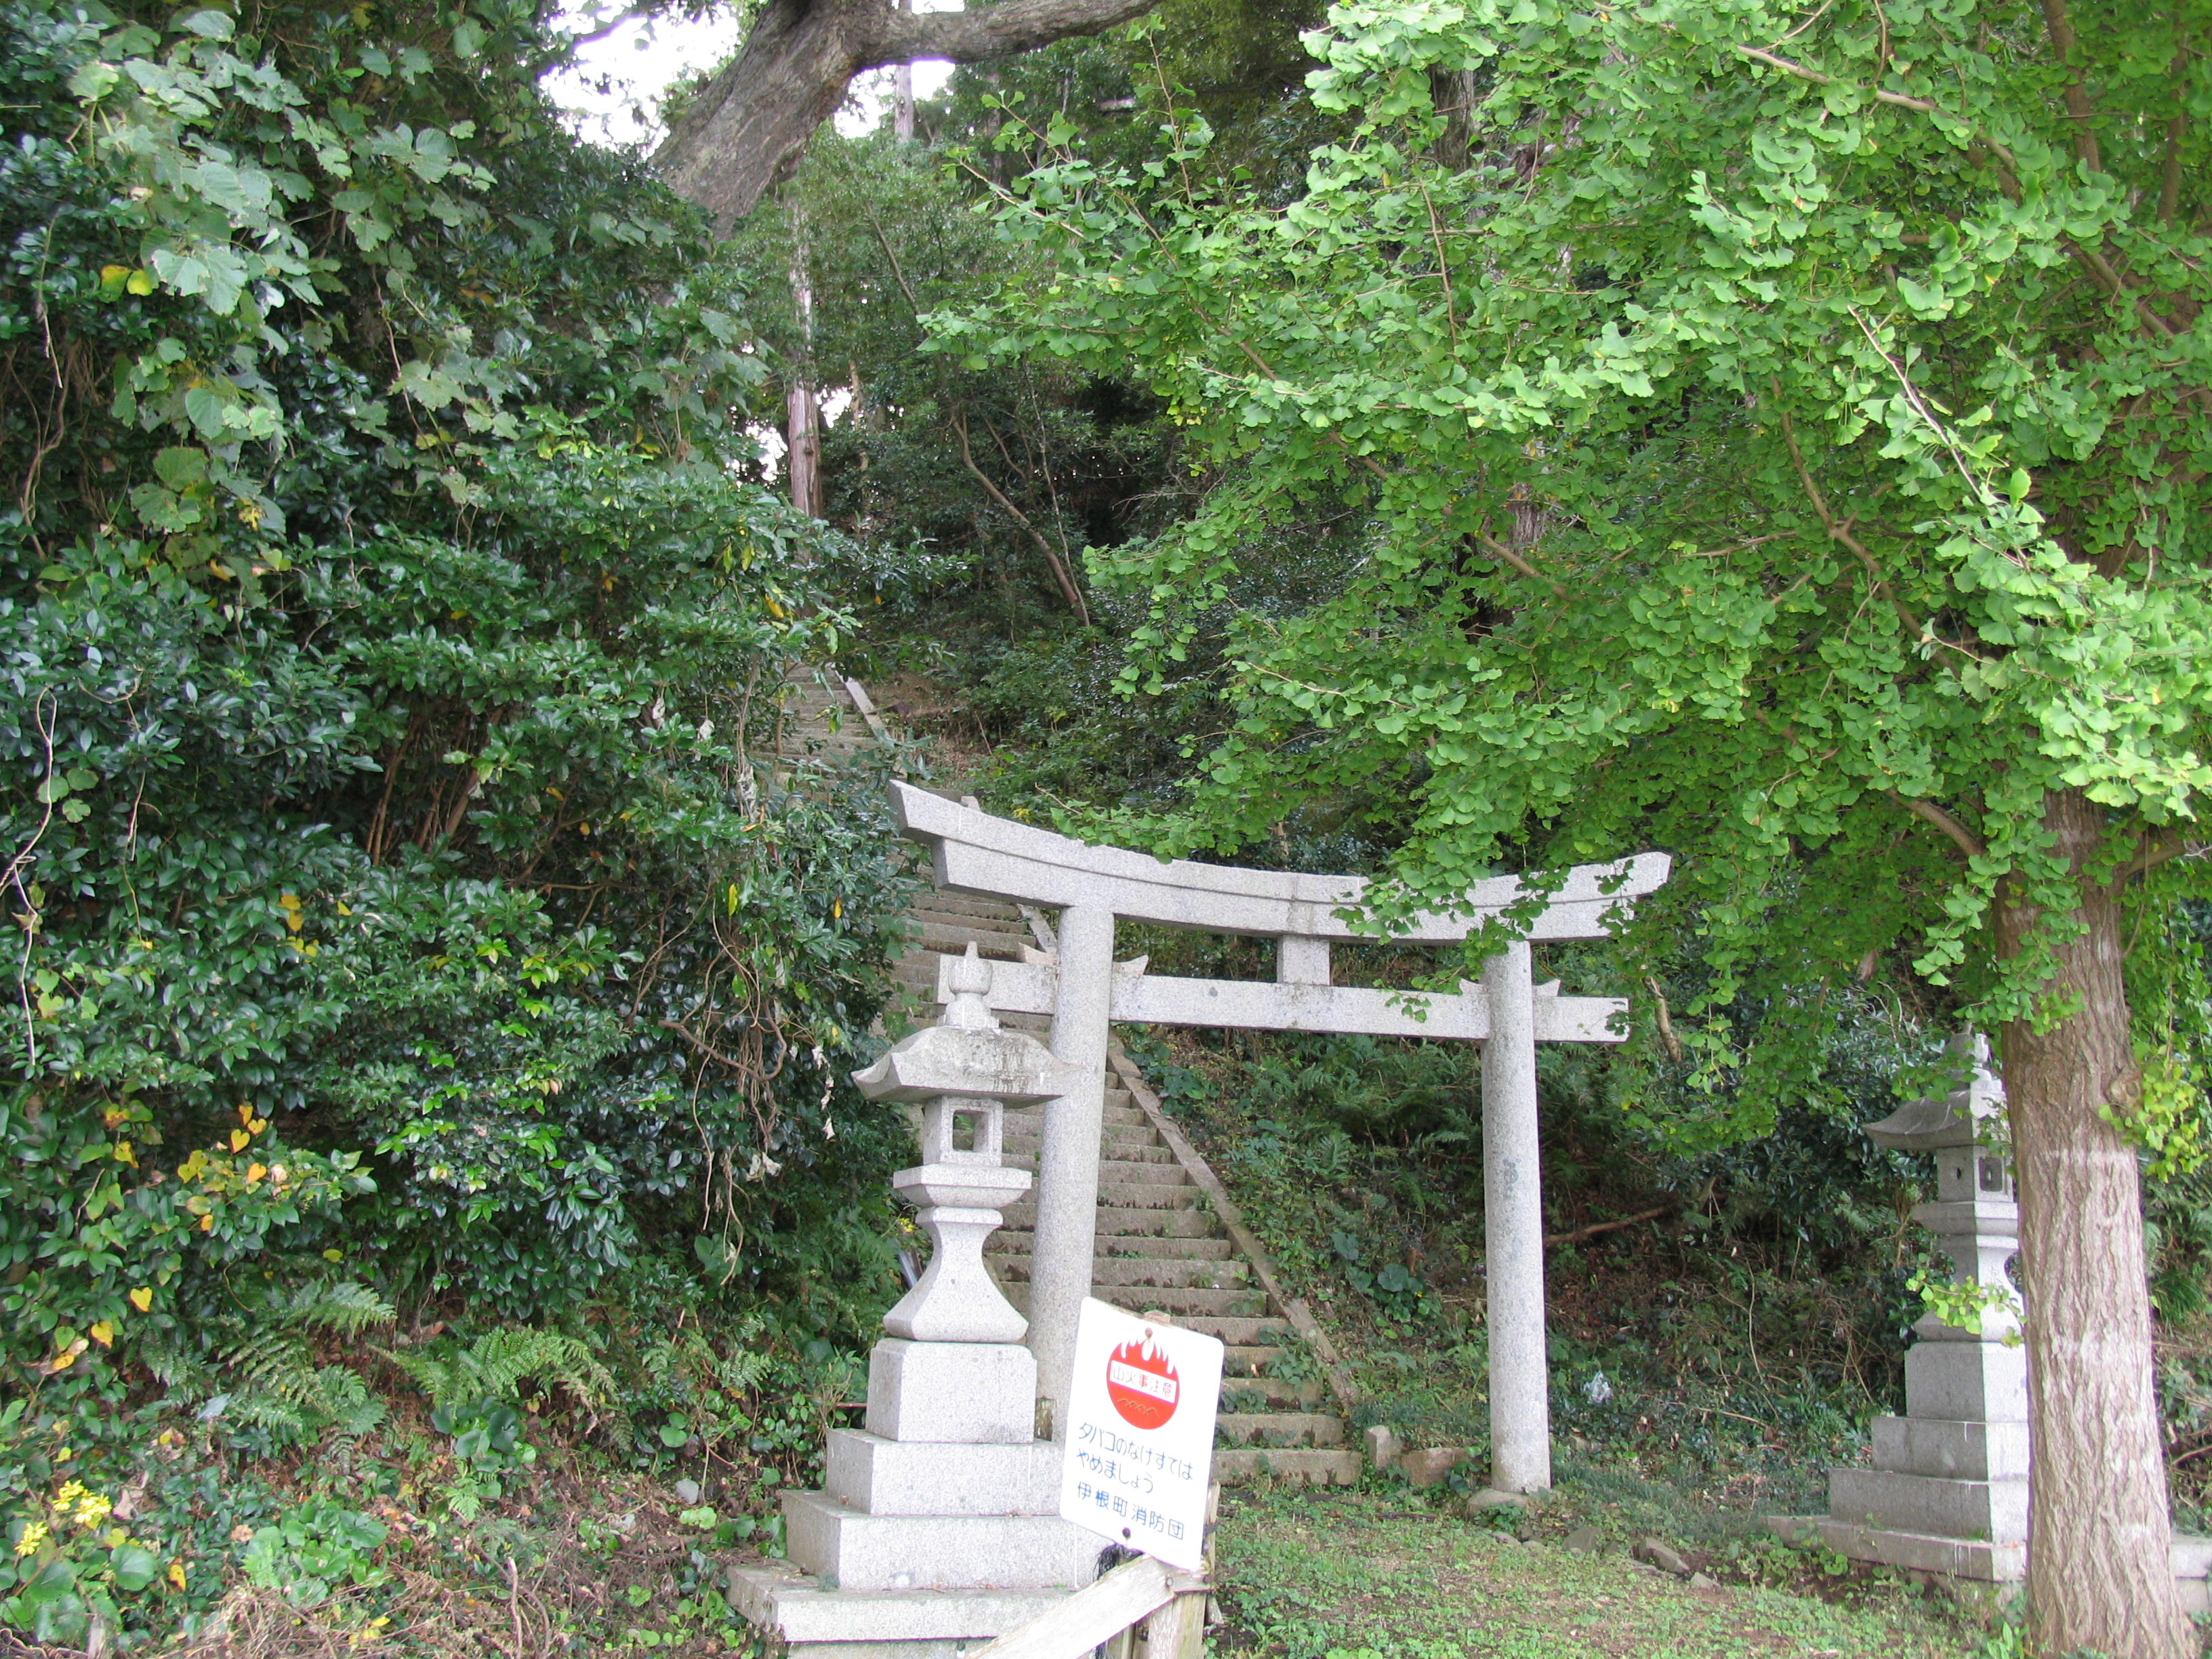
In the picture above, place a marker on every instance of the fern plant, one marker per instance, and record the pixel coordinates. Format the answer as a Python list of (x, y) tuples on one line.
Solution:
[(253, 1362), (493, 1368), (474, 1390)]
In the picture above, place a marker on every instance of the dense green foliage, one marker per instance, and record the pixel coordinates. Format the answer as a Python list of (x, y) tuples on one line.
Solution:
[(1568, 389), (982, 489), (411, 906)]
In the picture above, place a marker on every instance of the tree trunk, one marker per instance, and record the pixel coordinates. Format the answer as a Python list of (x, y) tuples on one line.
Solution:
[(802, 431), (902, 95), (1455, 93), (802, 453), (2099, 1567), (749, 125)]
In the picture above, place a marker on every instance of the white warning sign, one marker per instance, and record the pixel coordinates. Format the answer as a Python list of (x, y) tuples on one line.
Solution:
[(1139, 1449)]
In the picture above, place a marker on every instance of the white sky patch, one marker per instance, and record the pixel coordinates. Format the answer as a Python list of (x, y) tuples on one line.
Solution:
[(641, 60)]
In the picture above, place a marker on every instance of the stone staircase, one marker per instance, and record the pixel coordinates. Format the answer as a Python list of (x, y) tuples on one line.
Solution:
[(1165, 1244)]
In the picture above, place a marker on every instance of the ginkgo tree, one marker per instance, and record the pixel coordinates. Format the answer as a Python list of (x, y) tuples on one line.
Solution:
[(1783, 435)]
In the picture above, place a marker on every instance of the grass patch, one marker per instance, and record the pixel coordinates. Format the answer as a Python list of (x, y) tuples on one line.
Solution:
[(1361, 1575)]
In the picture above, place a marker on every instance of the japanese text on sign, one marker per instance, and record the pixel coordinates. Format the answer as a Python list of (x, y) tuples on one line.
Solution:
[(1140, 1446)]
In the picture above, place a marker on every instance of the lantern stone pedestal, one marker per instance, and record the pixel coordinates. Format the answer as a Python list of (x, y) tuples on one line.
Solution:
[(938, 1526)]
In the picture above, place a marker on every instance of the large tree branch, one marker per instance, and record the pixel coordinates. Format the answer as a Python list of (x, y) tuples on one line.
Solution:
[(1961, 837), (2158, 848), (1065, 583), (1840, 531), (749, 125), (994, 31)]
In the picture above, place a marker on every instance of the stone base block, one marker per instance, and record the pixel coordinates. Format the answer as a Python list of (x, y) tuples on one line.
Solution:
[(1966, 1381), (861, 1551), (1954, 1451), (2192, 1566), (1955, 1557), (809, 1622), (914, 1477), (968, 1393), (1918, 1504), (1972, 1559)]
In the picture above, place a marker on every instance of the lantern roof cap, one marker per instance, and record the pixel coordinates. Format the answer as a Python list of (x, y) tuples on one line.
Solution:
[(1936, 1121), (967, 1054)]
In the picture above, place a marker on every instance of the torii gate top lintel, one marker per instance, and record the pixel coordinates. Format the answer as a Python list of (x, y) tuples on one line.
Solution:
[(976, 852)]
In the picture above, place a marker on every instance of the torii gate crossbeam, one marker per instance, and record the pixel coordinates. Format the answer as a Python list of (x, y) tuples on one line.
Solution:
[(1084, 991)]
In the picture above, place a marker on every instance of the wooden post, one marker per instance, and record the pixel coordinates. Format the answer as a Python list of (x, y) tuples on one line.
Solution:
[(1177, 1631)]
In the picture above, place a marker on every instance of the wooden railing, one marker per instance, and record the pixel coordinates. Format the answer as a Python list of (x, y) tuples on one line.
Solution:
[(1143, 1609)]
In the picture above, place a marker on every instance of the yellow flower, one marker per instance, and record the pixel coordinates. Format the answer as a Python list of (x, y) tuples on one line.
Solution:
[(33, 1536), (85, 1508)]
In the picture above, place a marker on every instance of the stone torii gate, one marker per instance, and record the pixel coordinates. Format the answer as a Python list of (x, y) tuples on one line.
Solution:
[(1084, 991)]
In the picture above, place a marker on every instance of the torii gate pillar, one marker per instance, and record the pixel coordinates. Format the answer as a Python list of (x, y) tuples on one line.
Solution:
[(1513, 1229), (1067, 1233)]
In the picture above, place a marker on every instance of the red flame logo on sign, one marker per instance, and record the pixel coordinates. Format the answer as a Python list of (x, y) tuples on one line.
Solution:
[(1141, 1381)]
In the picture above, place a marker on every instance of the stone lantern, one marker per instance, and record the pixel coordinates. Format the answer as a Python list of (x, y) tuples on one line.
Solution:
[(938, 1523), (1947, 1491)]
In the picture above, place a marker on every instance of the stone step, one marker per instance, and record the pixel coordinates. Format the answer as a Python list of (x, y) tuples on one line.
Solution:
[(1256, 1359), (1117, 1171), (1128, 1141), (1124, 1196), (1312, 1467), (1164, 1272), (1189, 1304), (944, 937), (1030, 1120), (805, 741), (1168, 1249), (1115, 1221), (1128, 1271), (1237, 1332), (1242, 1394), (1172, 1233), (968, 905), (1006, 1241), (1012, 927), (1185, 1306), (1284, 1429), (1153, 1194)]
